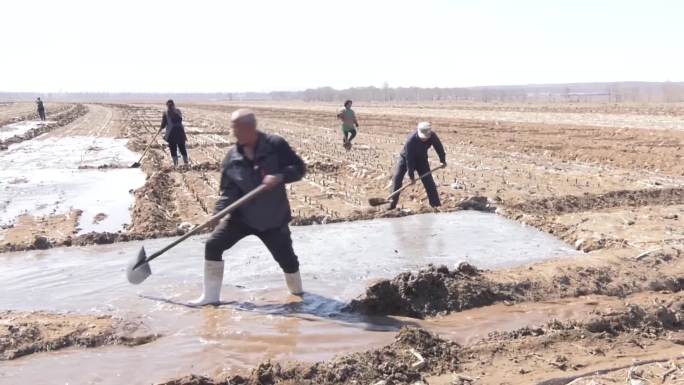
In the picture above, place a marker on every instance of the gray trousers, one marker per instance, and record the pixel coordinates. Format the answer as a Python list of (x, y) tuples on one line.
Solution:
[(422, 167), (278, 241)]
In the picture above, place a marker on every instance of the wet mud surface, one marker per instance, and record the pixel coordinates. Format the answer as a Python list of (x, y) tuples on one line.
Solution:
[(24, 333), (413, 353), (552, 353)]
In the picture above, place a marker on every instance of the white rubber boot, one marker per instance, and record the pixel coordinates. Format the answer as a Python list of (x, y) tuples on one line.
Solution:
[(213, 280), (294, 283)]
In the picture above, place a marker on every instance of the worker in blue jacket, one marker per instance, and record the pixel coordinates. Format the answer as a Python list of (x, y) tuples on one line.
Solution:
[(414, 158)]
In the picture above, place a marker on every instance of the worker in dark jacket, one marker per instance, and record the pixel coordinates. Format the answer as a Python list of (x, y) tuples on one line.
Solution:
[(414, 158), (41, 109), (174, 135), (257, 158)]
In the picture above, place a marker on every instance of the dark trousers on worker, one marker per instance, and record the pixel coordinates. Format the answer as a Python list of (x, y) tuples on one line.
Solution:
[(41, 113), (349, 135), (178, 146), (278, 241), (422, 167)]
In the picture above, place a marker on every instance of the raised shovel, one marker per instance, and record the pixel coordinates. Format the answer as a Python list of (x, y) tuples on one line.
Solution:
[(139, 268), (382, 201)]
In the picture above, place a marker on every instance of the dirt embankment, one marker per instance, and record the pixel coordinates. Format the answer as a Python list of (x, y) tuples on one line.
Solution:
[(555, 353), (61, 118), (439, 290), (26, 333), (639, 340), (544, 213), (413, 354)]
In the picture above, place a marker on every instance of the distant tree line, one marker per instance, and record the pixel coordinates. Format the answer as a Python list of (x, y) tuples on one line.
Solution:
[(617, 92), (579, 92)]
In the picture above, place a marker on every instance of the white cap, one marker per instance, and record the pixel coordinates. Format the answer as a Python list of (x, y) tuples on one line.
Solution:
[(424, 130)]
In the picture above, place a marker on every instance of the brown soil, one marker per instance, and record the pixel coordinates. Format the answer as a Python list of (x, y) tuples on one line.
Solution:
[(438, 290), (414, 353), (40, 232), (550, 175), (22, 334), (554, 353)]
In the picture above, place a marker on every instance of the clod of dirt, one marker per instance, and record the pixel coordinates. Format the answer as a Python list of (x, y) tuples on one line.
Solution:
[(41, 243), (430, 291), (478, 203), (322, 167), (99, 218), (653, 321), (26, 333), (394, 364), (193, 380)]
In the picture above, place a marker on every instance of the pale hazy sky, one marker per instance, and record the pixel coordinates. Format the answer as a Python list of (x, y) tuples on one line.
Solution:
[(261, 45)]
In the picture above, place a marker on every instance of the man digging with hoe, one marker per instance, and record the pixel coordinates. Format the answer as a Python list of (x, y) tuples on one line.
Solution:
[(414, 157), (256, 159)]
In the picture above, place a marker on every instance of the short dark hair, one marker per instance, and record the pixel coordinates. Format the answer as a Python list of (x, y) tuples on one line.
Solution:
[(348, 101), (170, 101)]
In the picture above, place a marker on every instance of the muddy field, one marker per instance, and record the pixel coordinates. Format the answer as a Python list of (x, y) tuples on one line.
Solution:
[(606, 179), (22, 334)]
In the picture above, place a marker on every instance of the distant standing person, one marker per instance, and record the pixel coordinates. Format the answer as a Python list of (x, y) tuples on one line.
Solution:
[(174, 135), (41, 109), (414, 157), (349, 124)]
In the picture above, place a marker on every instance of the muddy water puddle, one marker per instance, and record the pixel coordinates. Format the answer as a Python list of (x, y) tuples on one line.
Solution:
[(52, 176), (259, 320)]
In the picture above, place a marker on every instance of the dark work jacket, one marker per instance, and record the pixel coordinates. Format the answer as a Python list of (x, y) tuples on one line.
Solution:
[(40, 106), (270, 209), (415, 150), (173, 122)]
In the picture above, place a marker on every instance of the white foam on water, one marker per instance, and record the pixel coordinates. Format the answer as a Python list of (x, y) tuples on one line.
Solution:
[(42, 177)]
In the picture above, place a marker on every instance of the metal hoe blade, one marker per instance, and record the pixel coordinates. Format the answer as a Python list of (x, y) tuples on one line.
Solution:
[(377, 201), (138, 270)]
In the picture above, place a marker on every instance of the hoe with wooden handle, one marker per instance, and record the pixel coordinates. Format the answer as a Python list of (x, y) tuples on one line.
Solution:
[(139, 269), (382, 201), (137, 164)]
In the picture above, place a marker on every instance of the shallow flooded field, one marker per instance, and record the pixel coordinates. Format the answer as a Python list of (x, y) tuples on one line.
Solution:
[(258, 320)]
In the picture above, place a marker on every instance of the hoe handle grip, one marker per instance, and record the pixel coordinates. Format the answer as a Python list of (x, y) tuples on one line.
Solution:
[(397, 191)]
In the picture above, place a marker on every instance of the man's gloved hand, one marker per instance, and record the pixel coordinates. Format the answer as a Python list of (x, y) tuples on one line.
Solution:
[(271, 181)]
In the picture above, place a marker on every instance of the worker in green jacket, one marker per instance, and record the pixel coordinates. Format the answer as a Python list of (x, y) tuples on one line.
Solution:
[(349, 124)]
